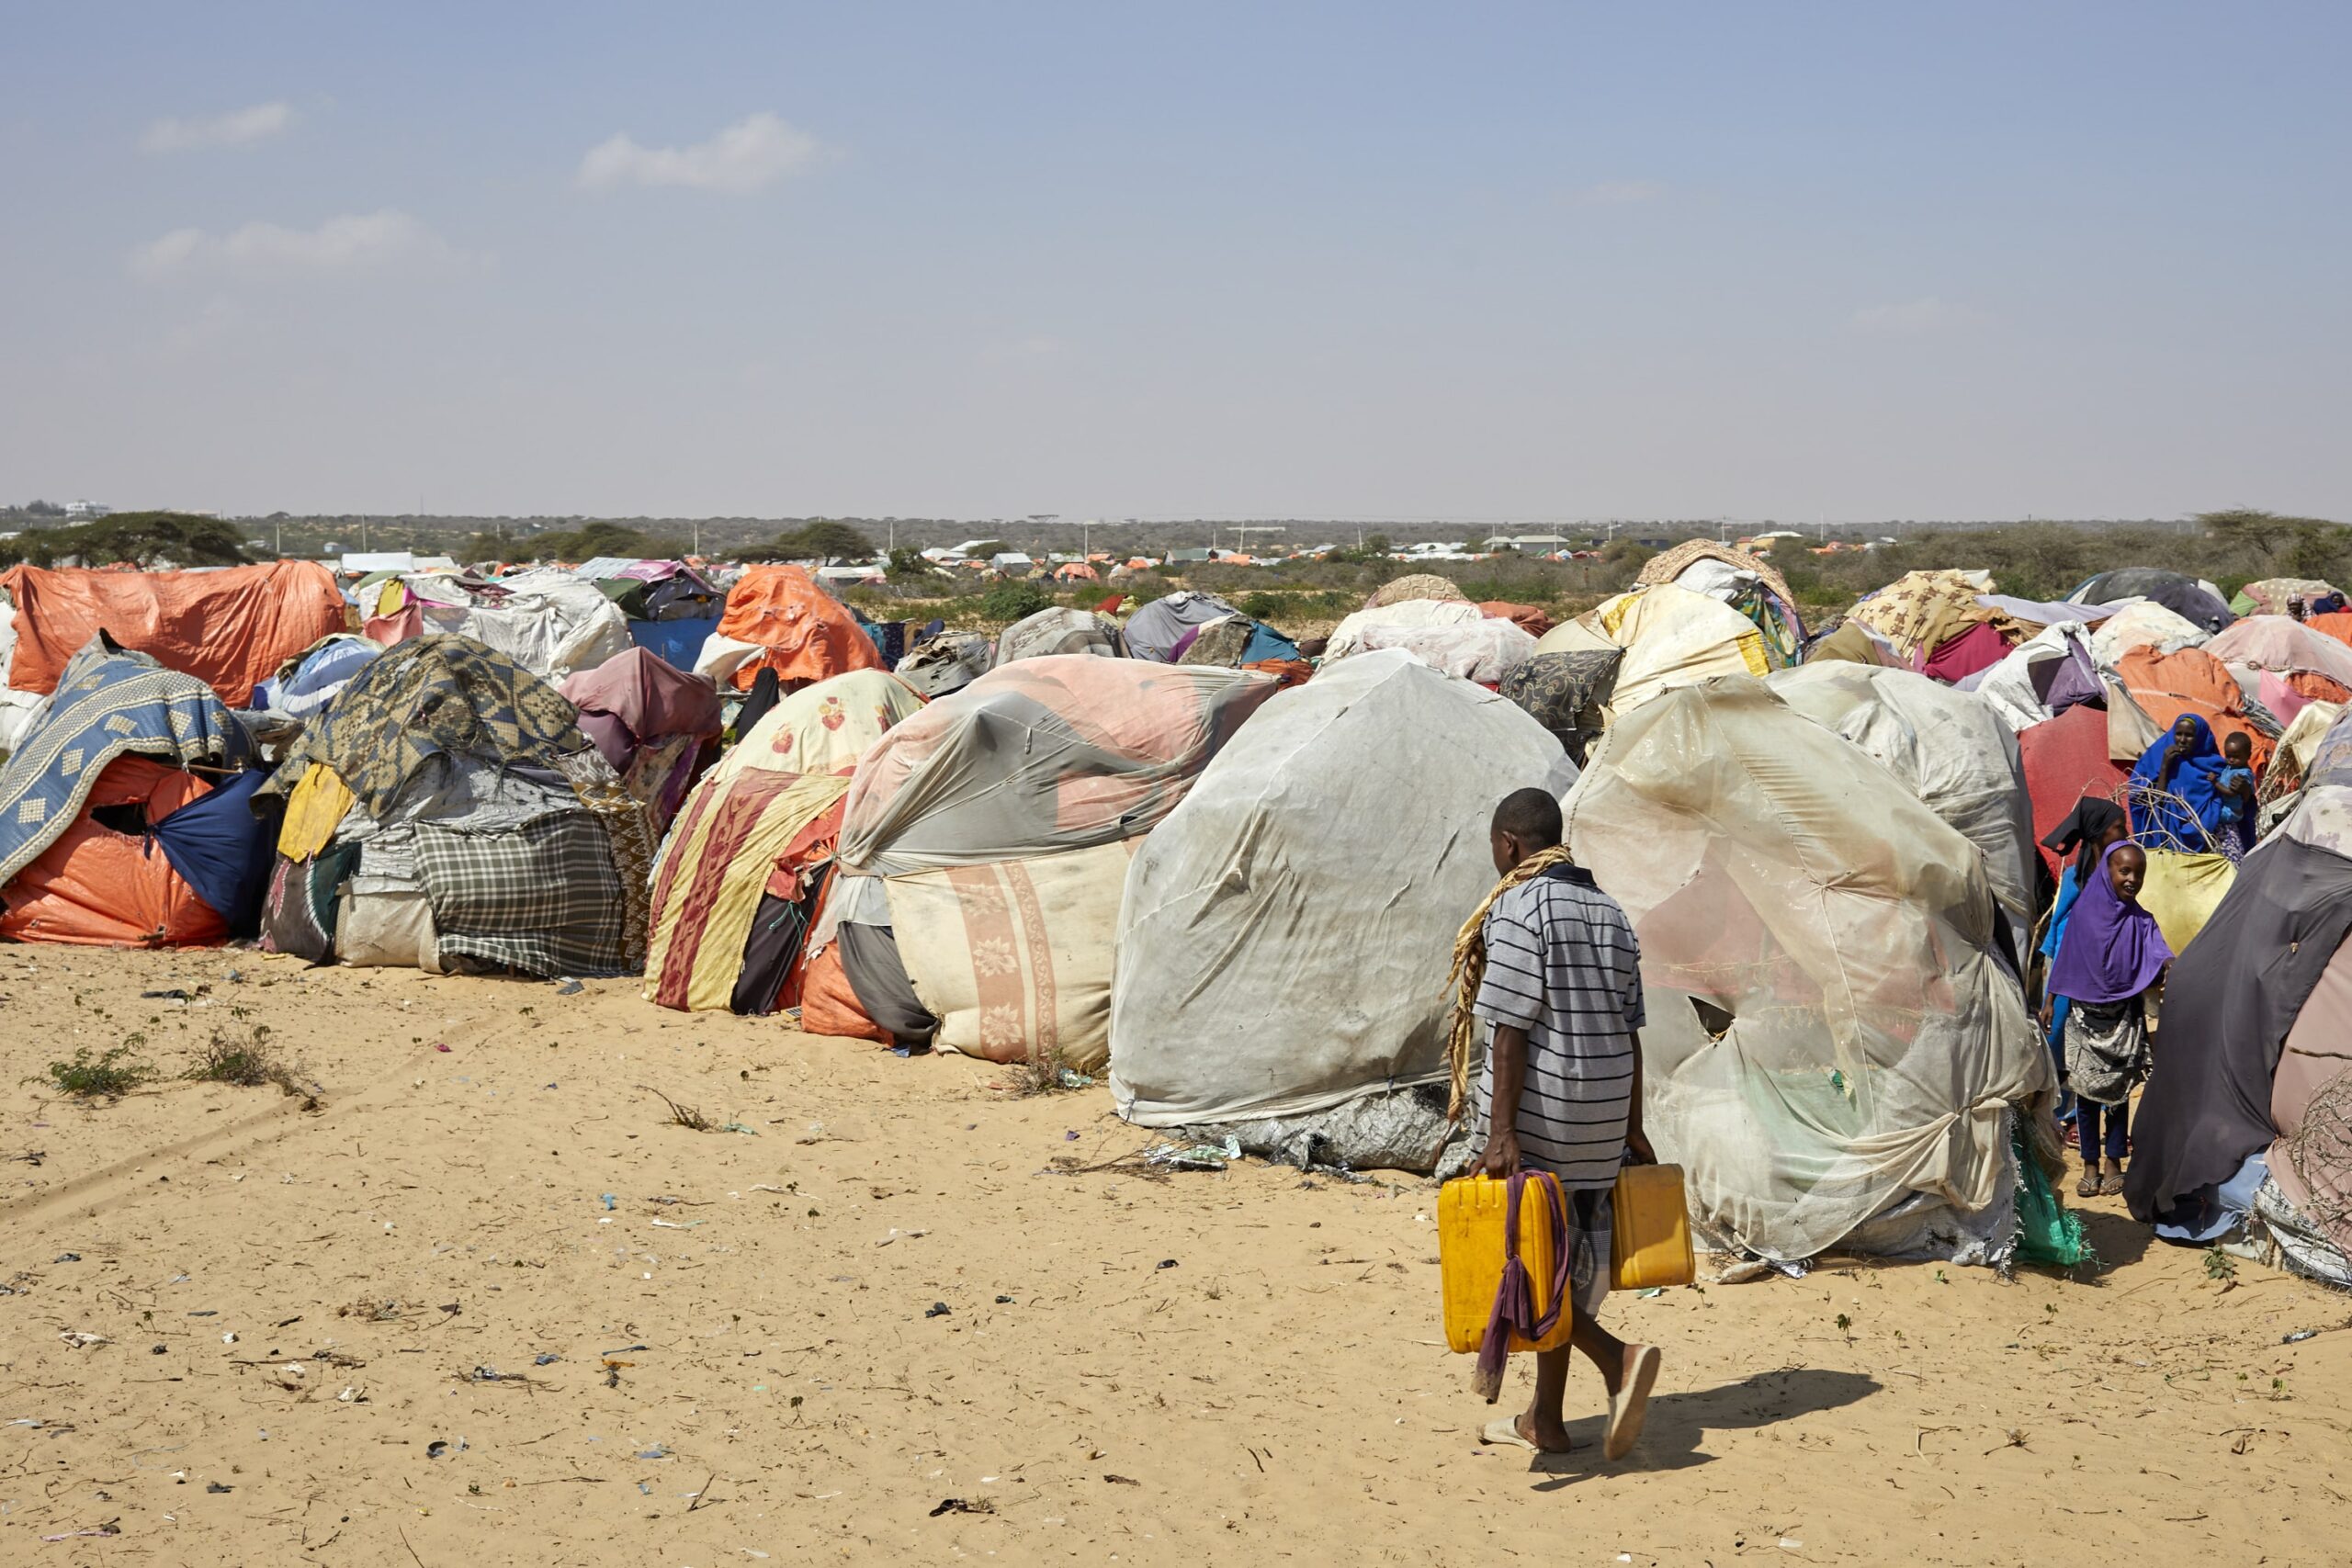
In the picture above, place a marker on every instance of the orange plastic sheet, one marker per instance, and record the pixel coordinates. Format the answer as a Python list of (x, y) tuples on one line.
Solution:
[(230, 630), (802, 632), (2191, 680), (95, 887)]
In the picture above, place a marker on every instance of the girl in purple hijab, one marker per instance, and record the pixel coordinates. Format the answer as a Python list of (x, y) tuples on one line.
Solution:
[(2110, 957)]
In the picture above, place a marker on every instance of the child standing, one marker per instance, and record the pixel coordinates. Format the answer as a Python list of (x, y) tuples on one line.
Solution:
[(2110, 958)]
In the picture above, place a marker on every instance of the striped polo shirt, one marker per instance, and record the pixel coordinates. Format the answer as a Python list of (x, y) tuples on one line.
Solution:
[(1563, 963)]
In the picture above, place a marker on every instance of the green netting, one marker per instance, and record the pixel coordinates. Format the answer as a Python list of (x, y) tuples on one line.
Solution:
[(2047, 1232)]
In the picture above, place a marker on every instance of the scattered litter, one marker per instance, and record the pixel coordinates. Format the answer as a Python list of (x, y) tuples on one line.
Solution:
[(611, 1203), (1069, 1078), (545, 1358), (171, 994), (2299, 1336), (677, 1224), (215, 1486), (108, 1529), (1122, 1481), (353, 1394), (656, 1451), (155, 1350), (937, 1309), (1004, 1301), (739, 1127), (82, 1340), (1195, 1156), (1168, 1263), (1788, 1545), (962, 1506), (1071, 1136), (441, 1447), (438, 1046), (69, 1258), (568, 989), (625, 1350), (1653, 1291)]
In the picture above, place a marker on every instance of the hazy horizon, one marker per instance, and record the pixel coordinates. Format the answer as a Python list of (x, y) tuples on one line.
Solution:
[(1494, 264)]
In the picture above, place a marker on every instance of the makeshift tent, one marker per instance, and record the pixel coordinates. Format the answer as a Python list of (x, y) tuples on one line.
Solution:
[(2274, 595), (653, 589), (655, 724), (1748, 583), (2166, 685), (2033, 614), (1484, 650), (743, 873), (1236, 642), (977, 814), (548, 622), (1152, 632), (308, 681), (2064, 759), (2230, 1005), (1949, 750), (1850, 1082), (2183, 890), (1921, 611), (948, 662), (1044, 755), (1850, 642), (1971, 652), (492, 833), (1568, 693), (779, 618), (2195, 601), (1056, 630), (1670, 637), (1413, 615), (1410, 587), (1285, 933), (2143, 623), (2042, 677), (112, 830), (231, 629), (2336, 624), (2287, 648)]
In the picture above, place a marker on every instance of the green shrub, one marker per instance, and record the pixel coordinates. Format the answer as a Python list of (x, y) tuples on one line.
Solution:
[(1010, 602), (110, 1076)]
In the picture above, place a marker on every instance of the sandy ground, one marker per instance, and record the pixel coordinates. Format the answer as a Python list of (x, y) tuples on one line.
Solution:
[(732, 1363)]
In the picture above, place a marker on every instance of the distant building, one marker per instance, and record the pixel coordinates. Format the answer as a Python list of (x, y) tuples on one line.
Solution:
[(1012, 560), (1192, 556), (85, 511)]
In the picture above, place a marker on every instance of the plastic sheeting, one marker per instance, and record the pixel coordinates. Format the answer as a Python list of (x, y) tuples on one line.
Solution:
[(1484, 651), (948, 664), (2022, 688), (2289, 647), (2143, 623), (1417, 614), (548, 622), (1672, 638), (1953, 751), (1285, 934), (778, 617), (823, 728), (1061, 752), (1056, 630), (1153, 631), (2183, 890), (230, 630), (1776, 872)]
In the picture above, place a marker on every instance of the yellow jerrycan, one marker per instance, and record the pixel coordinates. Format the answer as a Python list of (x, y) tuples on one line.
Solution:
[(1473, 1216), (1649, 1239)]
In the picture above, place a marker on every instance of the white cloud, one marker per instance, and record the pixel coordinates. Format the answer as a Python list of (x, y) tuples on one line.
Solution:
[(1915, 318), (238, 128), (1621, 193), (371, 241), (743, 157)]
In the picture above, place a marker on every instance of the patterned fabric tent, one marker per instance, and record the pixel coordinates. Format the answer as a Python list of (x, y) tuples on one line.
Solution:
[(109, 702)]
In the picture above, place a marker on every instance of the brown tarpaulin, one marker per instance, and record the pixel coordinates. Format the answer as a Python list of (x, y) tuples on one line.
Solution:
[(230, 630)]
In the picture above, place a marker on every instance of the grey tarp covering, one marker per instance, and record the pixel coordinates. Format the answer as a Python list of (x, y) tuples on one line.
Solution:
[(1950, 747), (1153, 631), (1056, 630), (2228, 1005), (1286, 931), (948, 662), (1777, 873), (1060, 753), (877, 977)]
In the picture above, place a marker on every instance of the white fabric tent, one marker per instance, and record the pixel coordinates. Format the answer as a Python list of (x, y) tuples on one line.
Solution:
[(550, 622), (1286, 931), (1859, 1093), (1672, 638)]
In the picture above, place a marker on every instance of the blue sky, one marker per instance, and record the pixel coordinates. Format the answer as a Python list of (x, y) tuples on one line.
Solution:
[(1473, 262)]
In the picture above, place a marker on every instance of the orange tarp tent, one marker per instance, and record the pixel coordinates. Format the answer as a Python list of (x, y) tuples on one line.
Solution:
[(95, 887), (230, 630), (2191, 680), (801, 632)]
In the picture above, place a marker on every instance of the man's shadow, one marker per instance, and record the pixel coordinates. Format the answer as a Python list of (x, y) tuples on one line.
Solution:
[(1678, 1422)]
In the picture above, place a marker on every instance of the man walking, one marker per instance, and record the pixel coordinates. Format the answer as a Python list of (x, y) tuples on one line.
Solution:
[(1562, 1088)]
